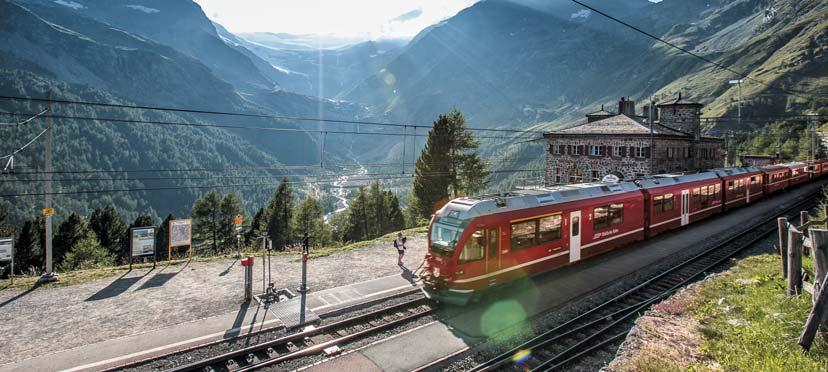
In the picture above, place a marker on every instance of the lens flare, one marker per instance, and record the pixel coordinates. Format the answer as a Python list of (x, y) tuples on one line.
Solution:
[(498, 320), (521, 356)]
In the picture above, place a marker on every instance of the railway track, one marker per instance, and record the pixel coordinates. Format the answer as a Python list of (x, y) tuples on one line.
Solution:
[(603, 325), (314, 340)]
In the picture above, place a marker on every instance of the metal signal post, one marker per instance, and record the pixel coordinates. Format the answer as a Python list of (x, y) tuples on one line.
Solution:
[(303, 289)]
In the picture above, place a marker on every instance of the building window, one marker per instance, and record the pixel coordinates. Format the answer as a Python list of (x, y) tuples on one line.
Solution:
[(596, 176), (576, 150), (607, 216), (640, 151), (556, 149), (616, 151), (594, 150)]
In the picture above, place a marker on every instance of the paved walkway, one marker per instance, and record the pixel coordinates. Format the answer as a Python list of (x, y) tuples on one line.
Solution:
[(150, 304)]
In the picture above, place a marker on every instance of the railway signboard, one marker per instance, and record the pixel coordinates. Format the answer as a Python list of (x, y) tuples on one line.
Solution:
[(181, 234), (48, 212), (142, 243), (238, 220), (6, 249)]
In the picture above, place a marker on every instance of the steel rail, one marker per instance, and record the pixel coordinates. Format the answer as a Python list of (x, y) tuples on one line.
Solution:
[(621, 315), (332, 327)]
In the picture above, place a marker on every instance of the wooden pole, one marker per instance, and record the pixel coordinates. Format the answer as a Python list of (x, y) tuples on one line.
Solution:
[(819, 245), (803, 222), (794, 261), (782, 222), (818, 313)]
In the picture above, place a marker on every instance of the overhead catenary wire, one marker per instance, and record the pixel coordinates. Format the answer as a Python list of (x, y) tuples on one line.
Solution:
[(247, 114), (220, 186), (696, 55), (24, 122)]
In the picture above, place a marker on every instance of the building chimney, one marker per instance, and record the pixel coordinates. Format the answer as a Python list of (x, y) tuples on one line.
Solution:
[(626, 107)]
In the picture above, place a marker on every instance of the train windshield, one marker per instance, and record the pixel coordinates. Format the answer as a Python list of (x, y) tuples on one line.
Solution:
[(445, 231)]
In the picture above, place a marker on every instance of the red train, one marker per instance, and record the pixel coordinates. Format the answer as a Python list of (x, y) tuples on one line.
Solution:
[(480, 242)]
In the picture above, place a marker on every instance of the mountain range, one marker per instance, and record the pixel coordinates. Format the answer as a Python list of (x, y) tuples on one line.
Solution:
[(516, 64)]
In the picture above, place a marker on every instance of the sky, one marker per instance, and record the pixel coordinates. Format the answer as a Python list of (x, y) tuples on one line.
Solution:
[(366, 19)]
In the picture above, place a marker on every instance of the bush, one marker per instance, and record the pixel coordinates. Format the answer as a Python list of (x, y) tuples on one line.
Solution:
[(87, 253)]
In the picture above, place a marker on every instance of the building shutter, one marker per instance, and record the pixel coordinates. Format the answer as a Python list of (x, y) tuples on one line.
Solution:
[(623, 151), (603, 151), (631, 151), (569, 149), (647, 152), (550, 149)]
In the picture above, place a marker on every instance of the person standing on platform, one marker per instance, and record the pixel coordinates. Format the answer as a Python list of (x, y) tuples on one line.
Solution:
[(399, 243)]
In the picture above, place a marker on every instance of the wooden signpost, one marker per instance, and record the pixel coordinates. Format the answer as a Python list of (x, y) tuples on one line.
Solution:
[(181, 234)]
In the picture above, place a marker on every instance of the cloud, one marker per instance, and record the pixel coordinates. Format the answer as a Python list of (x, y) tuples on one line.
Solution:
[(407, 16)]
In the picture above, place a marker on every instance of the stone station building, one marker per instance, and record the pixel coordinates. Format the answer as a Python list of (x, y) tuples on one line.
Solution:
[(625, 145)]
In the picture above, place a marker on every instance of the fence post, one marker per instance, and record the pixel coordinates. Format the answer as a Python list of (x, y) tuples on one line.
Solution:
[(782, 222), (816, 317), (794, 261), (819, 247), (803, 222)]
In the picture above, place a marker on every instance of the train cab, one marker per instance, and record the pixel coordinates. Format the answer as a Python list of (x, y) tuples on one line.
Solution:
[(675, 200), (815, 168), (742, 185), (823, 167), (775, 178), (480, 242), (799, 173)]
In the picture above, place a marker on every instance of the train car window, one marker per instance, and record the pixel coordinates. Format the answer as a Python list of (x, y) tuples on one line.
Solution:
[(616, 214), (753, 180), (663, 203), (523, 234), (696, 194), (475, 247), (717, 192), (607, 216), (576, 226), (599, 217), (549, 228), (493, 243), (729, 185)]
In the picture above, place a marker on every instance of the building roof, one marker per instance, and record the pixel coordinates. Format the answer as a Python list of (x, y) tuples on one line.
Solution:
[(660, 180), (620, 124), (600, 112), (678, 102)]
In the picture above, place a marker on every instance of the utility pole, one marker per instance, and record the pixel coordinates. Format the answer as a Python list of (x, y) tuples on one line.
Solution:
[(650, 120), (303, 289), (739, 82), (50, 274)]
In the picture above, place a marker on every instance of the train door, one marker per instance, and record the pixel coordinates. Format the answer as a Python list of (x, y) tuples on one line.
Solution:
[(492, 250), (574, 236), (748, 185), (685, 207)]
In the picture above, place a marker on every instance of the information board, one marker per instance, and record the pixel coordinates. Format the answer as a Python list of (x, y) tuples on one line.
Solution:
[(6, 249), (142, 241), (181, 233)]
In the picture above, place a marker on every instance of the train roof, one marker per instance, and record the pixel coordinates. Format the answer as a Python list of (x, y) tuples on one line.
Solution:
[(794, 164), (662, 180), (471, 207), (734, 171)]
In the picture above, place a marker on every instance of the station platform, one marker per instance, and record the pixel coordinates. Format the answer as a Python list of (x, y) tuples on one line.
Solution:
[(249, 319), (461, 328)]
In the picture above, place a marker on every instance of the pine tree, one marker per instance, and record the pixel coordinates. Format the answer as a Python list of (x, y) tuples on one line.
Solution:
[(207, 217), (28, 250), (255, 229), (86, 253), (396, 221), (230, 207), (357, 226), (279, 214), (109, 228), (448, 165), (309, 218), (69, 232), (162, 236), (376, 210)]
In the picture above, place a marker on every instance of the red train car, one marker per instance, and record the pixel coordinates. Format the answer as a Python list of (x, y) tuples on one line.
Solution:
[(677, 200), (799, 173), (475, 243), (775, 178), (741, 185)]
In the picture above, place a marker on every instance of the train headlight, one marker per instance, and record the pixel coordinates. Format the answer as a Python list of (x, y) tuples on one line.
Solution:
[(436, 272)]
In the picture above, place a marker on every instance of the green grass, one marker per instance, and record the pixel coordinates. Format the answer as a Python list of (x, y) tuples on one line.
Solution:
[(749, 324), (83, 276)]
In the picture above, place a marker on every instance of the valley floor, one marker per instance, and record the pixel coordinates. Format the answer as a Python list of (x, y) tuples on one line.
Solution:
[(48, 319)]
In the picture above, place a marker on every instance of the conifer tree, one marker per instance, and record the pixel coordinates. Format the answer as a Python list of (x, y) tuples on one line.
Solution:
[(376, 210), (279, 214), (255, 229), (230, 207), (28, 250), (357, 226), (109, 228), (162, 236), (448, 165), (69, 232), (309, 218), (396, 221), (207, 219)]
